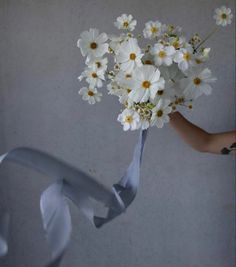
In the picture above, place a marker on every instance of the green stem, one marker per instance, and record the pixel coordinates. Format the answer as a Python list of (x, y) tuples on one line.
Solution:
[(207, 37)]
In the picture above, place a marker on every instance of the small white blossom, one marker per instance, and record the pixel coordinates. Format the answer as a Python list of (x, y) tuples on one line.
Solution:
[(92, 43), (93, 77), (145, 84), (197, 83), (160, 113), (90, 94), (223, 16), (97, 63), (163, 55), (185, 58), (152, 29), (130, 119), (125, 22), (129, 55)]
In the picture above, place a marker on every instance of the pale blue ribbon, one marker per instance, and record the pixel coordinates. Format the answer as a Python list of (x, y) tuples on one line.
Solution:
[(77, 186)]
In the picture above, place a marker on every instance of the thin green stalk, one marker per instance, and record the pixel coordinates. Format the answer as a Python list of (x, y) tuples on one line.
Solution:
[(207, 37)]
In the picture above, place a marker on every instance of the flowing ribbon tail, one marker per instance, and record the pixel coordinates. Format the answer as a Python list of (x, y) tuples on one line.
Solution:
[(127, 187), (80, 188)]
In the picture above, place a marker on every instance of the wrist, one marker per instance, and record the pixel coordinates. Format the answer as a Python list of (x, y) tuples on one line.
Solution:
[(174, 115)]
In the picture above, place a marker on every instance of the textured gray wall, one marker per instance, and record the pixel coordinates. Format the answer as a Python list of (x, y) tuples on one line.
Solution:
[(184, 213)]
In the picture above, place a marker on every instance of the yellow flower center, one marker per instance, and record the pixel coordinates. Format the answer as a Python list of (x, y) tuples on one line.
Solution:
[(148, 62), (154, 29), (198, 61), (94, 75), (223, 16), (146, 84), (197, 81), (186, 56), (93, 45), (125, 24), (159, 113), (90, 93), (160, 92), (128, 119), (132, 56), (162, 54), (176, 44), (98, 64)]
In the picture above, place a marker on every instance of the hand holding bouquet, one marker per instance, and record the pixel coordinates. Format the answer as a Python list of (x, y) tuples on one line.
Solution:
[(153, 81)]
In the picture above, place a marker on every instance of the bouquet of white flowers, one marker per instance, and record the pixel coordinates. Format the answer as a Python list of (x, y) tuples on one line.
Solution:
[(153, 81)]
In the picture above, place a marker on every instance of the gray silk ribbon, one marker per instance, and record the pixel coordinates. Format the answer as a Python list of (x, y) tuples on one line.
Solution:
[(74, 184)]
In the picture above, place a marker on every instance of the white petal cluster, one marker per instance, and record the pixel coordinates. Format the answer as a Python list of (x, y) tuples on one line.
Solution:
[(152, 29), (197, 83), (223, 16), (90, 94), (185, 58), (160, 113), (92, 43), (125, 22), (129, 119), (145, 83), (129, 55), (163, 55), (149, 81)]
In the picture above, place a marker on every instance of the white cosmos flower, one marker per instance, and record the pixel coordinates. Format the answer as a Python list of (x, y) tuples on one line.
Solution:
[(223, 16), (197, 83), (145, 84), (97, 63), (90, 94), (125, 22), (152, 29), (92, 43), (185, 58), (130, 119), (93, 76), (129, 55), (163, 55), (160, 113)]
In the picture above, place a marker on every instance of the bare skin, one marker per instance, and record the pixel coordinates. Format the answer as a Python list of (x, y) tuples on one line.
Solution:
[(200, 140)]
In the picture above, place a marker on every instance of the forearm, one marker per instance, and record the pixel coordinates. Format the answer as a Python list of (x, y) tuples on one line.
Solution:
[(194, 136), (197, 138)]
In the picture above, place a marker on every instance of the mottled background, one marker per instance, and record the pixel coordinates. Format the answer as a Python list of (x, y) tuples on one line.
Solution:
[(184, 214)]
